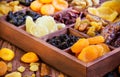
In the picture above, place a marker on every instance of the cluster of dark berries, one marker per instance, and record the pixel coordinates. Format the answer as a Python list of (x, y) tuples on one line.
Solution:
[(63, 41), (18, 18)]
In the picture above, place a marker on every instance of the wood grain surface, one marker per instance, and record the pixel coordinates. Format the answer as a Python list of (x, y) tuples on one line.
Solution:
[(44, 69)]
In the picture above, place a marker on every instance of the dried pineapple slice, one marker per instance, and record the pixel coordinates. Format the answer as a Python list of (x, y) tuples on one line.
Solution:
[(37, 30), (47, 21)]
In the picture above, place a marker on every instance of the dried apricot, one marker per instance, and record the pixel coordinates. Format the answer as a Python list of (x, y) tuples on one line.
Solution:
[(60, 4), (47, 9), (45, 1), (79, 45), (3, 68), (100, 50), (105, 47), (96, 40), (88, 54), (6, 54), (29, 57), (35, 6)]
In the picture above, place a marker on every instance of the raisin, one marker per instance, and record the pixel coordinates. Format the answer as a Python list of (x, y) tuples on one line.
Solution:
[(18, 18), (26, 2), (63, 41)]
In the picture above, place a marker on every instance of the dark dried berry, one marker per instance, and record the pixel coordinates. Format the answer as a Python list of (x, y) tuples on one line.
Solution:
[(63, 41), (26, 2), (18, 18), (34, 15)]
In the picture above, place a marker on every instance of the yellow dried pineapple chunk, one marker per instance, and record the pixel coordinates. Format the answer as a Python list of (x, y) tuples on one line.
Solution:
[(114, 5)]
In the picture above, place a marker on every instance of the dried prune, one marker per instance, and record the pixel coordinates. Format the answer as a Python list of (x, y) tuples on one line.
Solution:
[(34, 15), (18, 18), (25, 2), (63, 41)]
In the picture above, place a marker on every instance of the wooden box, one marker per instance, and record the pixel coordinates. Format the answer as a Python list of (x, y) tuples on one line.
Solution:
[(59, 59)]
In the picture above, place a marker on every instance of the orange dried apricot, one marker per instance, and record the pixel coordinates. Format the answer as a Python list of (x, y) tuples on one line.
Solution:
[(105, 47), (47, 9), (29, 57), (96, 40), (35, 6), (79, 45), (100, 50), (45, 1), (60, 4), (3, 68), (6, 54), (88, 54)]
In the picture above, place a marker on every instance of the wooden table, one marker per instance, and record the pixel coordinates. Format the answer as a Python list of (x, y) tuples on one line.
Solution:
[(44, 69)]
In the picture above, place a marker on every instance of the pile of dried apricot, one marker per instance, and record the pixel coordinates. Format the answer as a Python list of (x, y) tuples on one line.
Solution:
[(48, 7), (90, 49)]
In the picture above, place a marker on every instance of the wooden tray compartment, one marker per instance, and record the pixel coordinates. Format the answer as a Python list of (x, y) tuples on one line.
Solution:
[(60, 60)]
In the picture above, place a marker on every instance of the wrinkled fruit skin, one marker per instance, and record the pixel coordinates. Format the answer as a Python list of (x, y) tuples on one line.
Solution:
[(26, 2), (3, 68), (63, 41), (18, 18), (111, 33), (67, 17)]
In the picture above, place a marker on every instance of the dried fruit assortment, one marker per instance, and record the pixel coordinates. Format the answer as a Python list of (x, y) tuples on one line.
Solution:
[(101, 23), (18, 18), (63, 41), (6, 64)]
